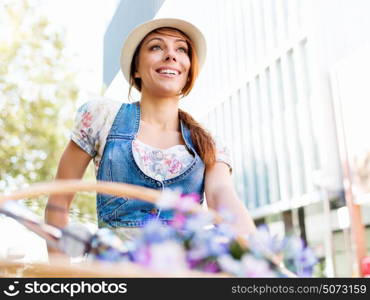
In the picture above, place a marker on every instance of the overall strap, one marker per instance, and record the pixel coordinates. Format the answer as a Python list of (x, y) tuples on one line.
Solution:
[(126, 123), (186, 134)]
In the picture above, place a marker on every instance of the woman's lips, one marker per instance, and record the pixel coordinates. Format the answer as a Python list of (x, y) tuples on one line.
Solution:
[(167, 75), (168, 72)]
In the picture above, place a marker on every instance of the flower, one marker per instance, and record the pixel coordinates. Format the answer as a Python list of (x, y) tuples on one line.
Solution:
[(298, 257), (168, 199), (86, 119), (156, 232), (193, 242), (175, 166), (256, 267), (168, 256), (173, 199), (263, 242), (230, 265), (188, 202), (179, 220)]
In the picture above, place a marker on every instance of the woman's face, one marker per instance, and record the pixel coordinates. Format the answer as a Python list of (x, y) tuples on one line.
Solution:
[(163, 64)]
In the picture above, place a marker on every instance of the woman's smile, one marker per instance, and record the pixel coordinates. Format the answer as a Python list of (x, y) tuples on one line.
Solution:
[(168, 72)]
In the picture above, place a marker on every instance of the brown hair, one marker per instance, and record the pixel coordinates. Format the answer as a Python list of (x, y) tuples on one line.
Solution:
[(201, 138)]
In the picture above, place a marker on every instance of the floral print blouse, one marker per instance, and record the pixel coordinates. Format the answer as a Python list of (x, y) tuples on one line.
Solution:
[(161, 164), (93, 122)]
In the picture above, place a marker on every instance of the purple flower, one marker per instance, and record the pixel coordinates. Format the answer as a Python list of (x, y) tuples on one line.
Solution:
[(155, 232), (198, 222), (298, 258), (192, 241), (262, 242), (142, 256), (211, 267), (193, 263)]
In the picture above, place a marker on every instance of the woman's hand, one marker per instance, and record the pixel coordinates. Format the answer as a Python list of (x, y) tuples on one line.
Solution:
[(221, 194)]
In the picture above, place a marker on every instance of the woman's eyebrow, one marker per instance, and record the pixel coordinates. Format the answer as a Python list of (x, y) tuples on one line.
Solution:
[(160, 39)]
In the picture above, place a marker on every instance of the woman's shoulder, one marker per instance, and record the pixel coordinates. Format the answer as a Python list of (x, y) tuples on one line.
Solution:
[(93, 121), (99, 105), (96, 115)]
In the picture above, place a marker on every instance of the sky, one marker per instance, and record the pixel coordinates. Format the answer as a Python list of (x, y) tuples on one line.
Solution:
[(85, 22)]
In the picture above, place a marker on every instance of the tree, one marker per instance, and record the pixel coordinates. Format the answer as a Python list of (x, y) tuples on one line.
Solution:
[(38, 94)]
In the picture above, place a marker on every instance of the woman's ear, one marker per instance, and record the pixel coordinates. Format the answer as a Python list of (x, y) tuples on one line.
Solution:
[(137, 75)]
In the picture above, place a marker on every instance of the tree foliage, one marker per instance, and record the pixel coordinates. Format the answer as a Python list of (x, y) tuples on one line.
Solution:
[(38, 94)]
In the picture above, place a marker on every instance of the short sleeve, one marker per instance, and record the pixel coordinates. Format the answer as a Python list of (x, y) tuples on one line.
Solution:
[(92, 125), (223, 153), (85, 133)]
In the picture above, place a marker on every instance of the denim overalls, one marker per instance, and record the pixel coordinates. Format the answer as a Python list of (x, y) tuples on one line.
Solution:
[(118, 165)]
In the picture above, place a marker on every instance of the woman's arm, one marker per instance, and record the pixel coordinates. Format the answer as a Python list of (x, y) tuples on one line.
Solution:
[(72, 165), (220, 194)]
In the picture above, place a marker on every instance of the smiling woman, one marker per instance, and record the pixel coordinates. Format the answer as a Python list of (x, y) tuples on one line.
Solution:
[(150, 143)]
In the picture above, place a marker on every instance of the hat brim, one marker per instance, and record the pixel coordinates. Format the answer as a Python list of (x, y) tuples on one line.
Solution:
[(138, 33)]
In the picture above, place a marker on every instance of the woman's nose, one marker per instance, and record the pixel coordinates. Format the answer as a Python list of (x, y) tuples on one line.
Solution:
[(170, 55)]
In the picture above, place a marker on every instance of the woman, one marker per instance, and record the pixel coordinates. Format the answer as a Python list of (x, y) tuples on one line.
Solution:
[(151, 143)]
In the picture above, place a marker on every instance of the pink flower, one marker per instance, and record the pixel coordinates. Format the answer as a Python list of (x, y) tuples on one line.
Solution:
[(187, 202), (175, 166), (86, 119), (167, 161), (146, 157), (192, 197), (179, 220)]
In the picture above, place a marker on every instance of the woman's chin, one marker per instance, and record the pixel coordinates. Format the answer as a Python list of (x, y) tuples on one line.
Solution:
[(167, 92)]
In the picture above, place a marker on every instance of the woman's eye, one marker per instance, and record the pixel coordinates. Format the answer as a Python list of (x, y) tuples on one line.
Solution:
[(182, 49), (155, 47)]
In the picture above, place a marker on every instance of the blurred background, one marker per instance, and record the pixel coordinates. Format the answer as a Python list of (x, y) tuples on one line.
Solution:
[(285, 85)]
